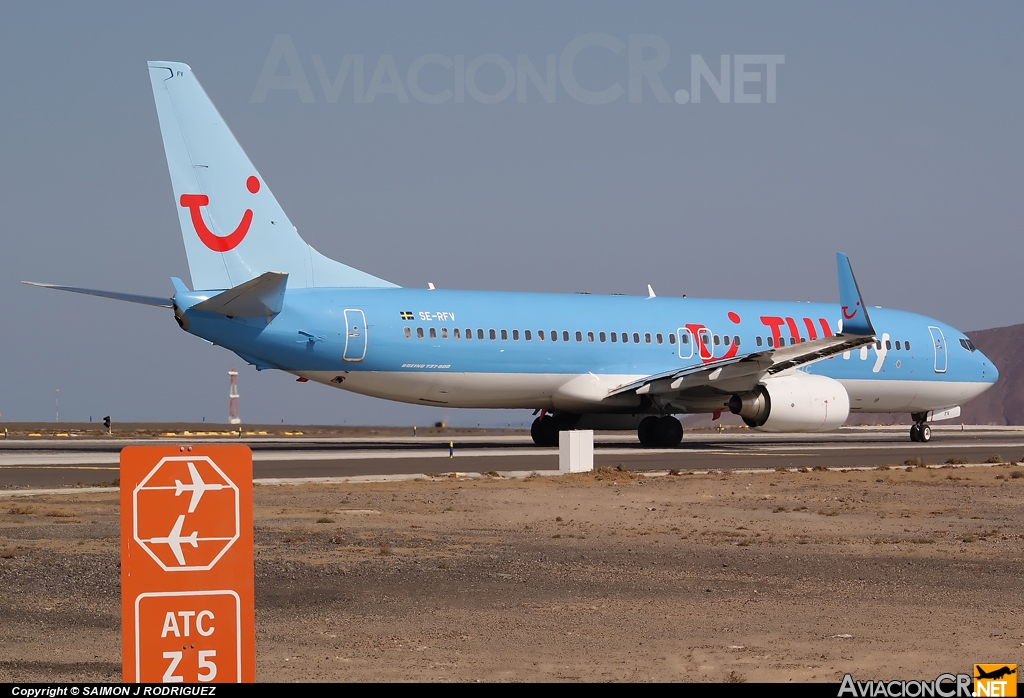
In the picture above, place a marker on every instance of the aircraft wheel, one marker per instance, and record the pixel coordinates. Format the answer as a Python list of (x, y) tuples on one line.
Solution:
[(669, 431), (924, 434), (545, 431), (915, 432), (647, 432)]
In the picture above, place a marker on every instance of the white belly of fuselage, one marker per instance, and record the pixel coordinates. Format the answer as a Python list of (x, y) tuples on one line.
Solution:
[(588, 392), (552, 391), (909, 396)]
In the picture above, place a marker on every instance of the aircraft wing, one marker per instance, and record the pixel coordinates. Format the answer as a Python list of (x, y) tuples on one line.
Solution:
[(174, 540), (198, 487), (749, 369), (754, 366)]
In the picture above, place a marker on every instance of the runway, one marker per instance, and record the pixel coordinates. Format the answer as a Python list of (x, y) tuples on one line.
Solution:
[(94, 461)]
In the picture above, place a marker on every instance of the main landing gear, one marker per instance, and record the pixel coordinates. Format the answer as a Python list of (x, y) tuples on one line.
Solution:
[(545, 428), (920, 432), (654, 432), (660, 432)]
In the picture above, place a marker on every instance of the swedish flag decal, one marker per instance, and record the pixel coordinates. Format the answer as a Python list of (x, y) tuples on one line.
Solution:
[(406, 315)]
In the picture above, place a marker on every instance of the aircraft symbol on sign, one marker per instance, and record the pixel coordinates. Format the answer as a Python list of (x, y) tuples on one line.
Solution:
[(160, 512), (175, 539), (197, 488)]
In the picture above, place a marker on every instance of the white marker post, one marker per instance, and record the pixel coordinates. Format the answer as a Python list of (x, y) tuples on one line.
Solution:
[(576, 451)]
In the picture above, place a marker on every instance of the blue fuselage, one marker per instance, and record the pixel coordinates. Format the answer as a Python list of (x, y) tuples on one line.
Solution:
[(499, 349)]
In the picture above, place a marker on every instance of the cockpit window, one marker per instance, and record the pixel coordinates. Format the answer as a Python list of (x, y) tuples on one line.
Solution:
[(968, 344)]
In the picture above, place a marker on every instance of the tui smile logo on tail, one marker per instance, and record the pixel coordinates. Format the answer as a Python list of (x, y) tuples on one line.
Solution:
[(848, 316), (217, 243)]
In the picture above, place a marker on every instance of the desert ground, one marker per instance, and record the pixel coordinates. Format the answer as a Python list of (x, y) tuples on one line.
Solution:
[(604, 576)]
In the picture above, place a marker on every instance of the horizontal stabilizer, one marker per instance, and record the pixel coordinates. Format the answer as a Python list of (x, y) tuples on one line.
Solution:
[(130, 297), (259, 297)]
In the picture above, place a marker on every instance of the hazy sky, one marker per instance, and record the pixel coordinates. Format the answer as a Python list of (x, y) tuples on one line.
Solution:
[(895, 136)]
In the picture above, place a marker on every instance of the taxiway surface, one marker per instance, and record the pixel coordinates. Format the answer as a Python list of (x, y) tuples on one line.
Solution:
[(43, 462)]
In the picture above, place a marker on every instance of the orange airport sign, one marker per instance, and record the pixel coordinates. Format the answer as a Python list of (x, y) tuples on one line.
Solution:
[(187, 603)]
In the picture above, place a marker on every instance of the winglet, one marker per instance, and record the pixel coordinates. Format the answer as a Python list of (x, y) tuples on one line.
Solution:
[(855, 312)]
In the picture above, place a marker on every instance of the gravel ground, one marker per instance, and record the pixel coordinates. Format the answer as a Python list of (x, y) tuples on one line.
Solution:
[(781, 576)]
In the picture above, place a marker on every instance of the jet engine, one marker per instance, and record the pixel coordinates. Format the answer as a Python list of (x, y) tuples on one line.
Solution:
[(798, 402)]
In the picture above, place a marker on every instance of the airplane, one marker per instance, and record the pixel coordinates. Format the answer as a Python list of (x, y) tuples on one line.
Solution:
[(580, 361), (175, 539), (197, 488), (994, 674)]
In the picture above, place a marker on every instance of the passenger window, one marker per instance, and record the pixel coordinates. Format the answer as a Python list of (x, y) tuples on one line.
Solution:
[(601, 336), (716, 340), (469, 333), (433, 333), (407, 332), (888, 345), (757, 340), (565, 335), (444, 333), (419, 333), (540, 335), (625, 338), (659, 339), (515, 334), (726, 339), (898, 345), (527, 335), (590, 336), (647, 337), (878, 345), (579, 336), (504, 335), (491, 334), (907, 345), (736, 340), (771, 342), (554, 335), (456, 334), (479, 333), (636, 338), (615, 337)]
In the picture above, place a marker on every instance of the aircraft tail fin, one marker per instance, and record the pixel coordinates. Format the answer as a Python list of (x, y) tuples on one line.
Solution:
[(233, 227)]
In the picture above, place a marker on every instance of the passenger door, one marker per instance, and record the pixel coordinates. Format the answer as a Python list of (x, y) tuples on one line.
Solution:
[(355, 335), (685, 339), (939, 344)]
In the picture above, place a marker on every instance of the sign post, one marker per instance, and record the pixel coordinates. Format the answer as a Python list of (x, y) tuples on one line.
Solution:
[(187, 604)]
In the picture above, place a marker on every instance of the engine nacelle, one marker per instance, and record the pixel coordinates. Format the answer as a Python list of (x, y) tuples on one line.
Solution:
[(799, 402)]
